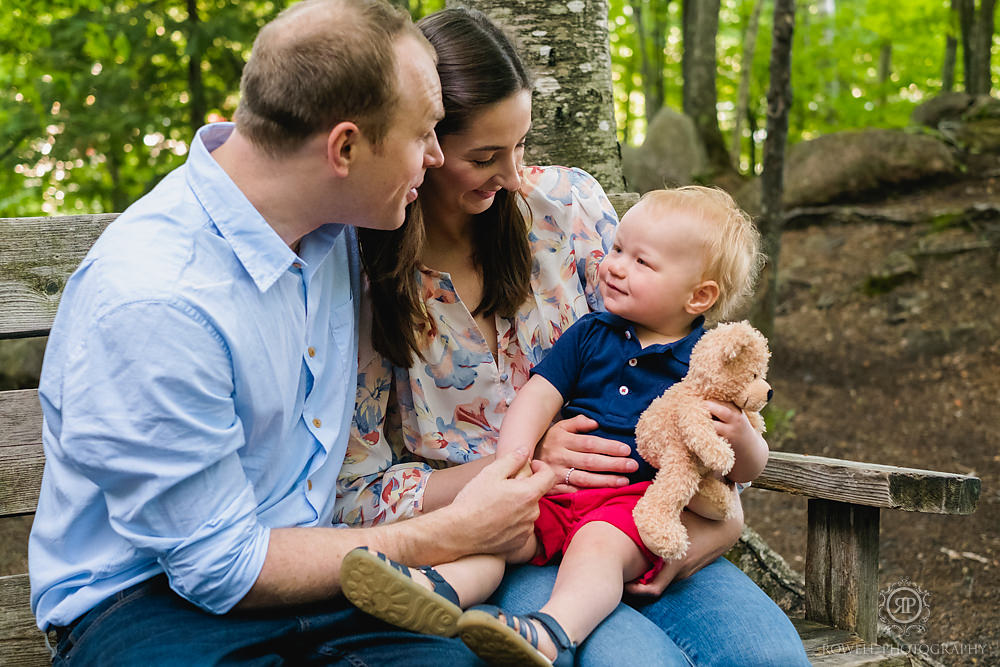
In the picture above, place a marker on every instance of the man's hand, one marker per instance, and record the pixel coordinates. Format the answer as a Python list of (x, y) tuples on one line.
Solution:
[(496, 511), (587, 458)]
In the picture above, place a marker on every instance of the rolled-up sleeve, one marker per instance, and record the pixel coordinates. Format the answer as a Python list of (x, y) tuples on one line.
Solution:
[(149, 417)]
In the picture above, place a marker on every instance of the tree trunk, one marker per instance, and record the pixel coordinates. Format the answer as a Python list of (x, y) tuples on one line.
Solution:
[(746, 70), (700, 95), (979, 82), (966, 23), (950, 50), (779, 100), (566, 46), (650, 49), (884, 71), (195, 85)]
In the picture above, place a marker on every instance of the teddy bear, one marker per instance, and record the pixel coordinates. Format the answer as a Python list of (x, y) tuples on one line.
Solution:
[(676, 434)]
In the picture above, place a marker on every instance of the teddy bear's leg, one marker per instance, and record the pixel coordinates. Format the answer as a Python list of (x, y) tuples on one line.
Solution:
[(658, 513), (719, 494)]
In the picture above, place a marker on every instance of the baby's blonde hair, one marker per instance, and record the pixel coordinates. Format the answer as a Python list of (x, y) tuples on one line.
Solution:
[(732, 242)]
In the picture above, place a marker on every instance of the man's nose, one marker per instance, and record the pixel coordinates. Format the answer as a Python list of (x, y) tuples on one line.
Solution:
[(433, 157)]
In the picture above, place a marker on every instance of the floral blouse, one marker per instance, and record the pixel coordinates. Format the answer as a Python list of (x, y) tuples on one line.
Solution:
[(447, 410)]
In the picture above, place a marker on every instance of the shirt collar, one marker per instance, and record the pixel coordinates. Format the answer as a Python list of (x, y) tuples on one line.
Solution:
[(254, 242), (681, 349)]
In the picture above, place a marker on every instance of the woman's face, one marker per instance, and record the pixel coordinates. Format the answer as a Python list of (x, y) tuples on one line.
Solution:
[(479, 161)]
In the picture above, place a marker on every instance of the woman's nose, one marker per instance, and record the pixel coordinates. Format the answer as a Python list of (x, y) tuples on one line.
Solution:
[(510, 174)]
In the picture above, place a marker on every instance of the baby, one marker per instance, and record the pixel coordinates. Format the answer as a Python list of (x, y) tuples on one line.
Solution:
[(678, 256)]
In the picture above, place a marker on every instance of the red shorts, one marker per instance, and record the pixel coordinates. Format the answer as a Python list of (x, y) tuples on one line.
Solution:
[(563, 514)]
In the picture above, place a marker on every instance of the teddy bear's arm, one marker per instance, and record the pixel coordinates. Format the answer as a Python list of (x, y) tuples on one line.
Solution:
[(698, 432)]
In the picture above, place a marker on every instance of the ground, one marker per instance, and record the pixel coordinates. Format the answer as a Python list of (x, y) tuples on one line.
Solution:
[(900, 371)]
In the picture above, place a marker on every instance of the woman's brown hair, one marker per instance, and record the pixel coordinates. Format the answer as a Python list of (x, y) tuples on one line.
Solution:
[(478, 67)]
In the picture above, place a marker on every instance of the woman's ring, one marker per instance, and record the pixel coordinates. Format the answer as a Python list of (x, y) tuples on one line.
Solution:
[(568, 473)]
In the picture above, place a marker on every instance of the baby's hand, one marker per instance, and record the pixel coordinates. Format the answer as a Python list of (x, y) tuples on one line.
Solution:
[(749, 447)]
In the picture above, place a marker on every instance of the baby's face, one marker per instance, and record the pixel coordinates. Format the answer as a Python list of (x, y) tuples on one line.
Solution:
[(653, 268)]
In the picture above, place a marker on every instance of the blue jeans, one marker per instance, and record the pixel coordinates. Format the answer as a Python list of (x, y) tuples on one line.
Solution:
[(149, 624), (717, 616)]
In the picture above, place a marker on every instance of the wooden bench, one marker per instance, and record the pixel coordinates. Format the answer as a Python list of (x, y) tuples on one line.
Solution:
[(841, 572)]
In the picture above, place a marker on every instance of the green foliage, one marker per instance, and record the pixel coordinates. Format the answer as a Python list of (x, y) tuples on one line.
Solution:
[(98, 96), (835, 62)]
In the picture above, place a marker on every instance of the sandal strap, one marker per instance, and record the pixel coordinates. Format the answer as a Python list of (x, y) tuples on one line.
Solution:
[(441, 586), (565, 648)]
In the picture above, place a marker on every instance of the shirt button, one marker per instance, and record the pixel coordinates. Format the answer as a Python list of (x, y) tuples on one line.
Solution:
[(632, 362), (309, 484), (317, 423), (297, 265), (311, 351), (503, 378), (623, 390), (628, 335), (508, 401)]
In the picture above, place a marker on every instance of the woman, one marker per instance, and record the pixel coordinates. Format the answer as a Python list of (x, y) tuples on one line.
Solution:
[(494, 262)]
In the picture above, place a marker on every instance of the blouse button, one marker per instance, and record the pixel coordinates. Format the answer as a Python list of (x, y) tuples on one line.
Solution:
[(632, 362), (623, 390), (503, 378), (317, 423), (508, 401)]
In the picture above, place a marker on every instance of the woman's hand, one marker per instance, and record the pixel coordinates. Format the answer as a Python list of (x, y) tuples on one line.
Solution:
[(709, 540), (583, 461), (749, 447)]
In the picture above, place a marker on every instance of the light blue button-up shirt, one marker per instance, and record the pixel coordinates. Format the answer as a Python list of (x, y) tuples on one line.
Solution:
[(197, 390)]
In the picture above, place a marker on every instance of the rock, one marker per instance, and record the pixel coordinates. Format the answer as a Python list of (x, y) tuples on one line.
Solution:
[(769, 571), (671, 155), (845, 164), (21, 362), (946, 106)]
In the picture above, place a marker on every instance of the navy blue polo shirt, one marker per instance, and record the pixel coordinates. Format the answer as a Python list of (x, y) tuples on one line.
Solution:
[(603, 372)]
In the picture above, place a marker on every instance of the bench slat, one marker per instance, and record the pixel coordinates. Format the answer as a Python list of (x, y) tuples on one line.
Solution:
[(21, 457), (869, 484), (37, 255), (21, 642)]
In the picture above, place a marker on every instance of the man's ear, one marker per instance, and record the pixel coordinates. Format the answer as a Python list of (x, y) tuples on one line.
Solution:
[(702, 297), (342, 145)]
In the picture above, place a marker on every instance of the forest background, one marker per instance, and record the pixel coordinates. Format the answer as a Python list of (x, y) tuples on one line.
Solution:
[(887, 322)]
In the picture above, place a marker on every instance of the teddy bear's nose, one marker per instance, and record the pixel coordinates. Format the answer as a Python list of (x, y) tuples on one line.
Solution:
[(770, 393)]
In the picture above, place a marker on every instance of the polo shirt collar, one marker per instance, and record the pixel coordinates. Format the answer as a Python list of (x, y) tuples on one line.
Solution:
[(259, 249), (681, 349)]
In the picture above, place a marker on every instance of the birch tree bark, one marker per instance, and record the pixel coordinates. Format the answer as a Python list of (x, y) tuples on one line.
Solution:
[(779, 100), (565, 44)]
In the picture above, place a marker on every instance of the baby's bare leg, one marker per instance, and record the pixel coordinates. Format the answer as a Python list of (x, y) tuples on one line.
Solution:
[(594, 569), (474, 578)]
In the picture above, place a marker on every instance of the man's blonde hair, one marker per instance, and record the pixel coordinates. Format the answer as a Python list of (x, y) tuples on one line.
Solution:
[(732, 243), (321, 62)]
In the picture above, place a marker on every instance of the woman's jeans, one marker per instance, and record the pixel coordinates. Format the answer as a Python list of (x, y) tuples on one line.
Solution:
[(717, 616)]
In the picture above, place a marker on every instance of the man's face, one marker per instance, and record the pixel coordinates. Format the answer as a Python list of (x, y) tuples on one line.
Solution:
[(392, 171)]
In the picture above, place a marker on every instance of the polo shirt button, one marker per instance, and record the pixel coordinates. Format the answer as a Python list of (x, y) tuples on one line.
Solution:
[(628, 335), (311, 351), (623, 390), (632, 362), (317, 423)]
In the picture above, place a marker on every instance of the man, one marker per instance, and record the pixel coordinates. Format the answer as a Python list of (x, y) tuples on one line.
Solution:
[(198, 382)]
